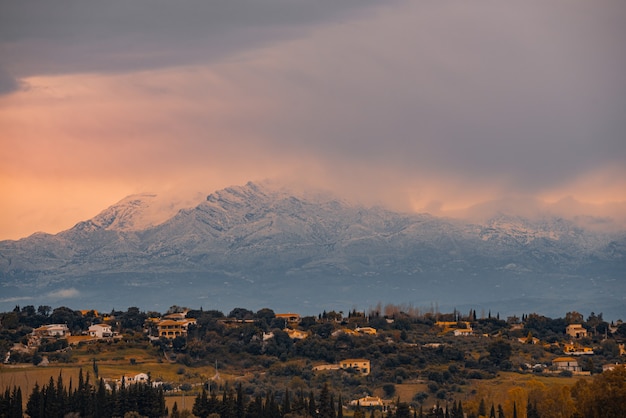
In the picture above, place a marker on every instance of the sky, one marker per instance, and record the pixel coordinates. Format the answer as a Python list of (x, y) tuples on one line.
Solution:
[(417, 105)]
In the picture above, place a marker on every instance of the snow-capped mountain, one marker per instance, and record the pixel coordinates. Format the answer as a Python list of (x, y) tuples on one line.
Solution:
[(256, 246)]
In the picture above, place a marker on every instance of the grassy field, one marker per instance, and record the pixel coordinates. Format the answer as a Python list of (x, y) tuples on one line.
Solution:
[(114, 365), (25, 376)]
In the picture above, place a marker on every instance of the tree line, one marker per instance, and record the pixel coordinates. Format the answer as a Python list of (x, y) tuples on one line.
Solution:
[(56, 400)]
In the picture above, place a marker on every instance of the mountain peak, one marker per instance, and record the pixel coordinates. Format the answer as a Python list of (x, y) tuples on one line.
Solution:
[(265, 243)]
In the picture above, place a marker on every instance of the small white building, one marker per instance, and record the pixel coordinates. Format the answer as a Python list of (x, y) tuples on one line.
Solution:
[(52, 330), (131, 380), (100, 331), (367, 402)]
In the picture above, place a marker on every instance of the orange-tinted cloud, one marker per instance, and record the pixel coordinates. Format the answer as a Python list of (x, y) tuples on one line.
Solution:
[(415, 105)]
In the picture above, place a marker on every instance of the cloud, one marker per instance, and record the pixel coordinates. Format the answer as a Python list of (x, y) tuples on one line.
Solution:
[(15, 299), (416, 105), (42, 38), (64, 294)]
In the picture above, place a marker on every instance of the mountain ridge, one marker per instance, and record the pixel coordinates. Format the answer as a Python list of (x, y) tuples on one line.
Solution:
[(257, 243)]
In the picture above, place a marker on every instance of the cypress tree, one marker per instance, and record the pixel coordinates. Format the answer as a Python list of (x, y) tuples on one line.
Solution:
[(255, 408), (16, 403), (312, 406), (286, 403), (482, 408), (175, 413), (340, 407), (324, 403), (500, 412), (102, 401), (200, 405), (241, 409), (34, 406), (229, 406), (403, 411)]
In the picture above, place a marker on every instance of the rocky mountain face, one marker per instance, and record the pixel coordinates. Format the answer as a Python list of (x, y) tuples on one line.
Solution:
[(255, 246)]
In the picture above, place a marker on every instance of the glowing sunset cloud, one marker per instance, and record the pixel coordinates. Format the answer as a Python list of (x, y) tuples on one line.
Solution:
[(417, 105)]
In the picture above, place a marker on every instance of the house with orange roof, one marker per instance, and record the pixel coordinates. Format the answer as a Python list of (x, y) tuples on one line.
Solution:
[(171, 329), (576, 331), (566, 363)]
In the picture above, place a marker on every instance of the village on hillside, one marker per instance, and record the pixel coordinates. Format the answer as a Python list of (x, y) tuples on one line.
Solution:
[(370, 358)]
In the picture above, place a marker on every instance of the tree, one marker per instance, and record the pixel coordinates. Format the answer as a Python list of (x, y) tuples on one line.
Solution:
[(482, 408), (44, 310), (95, 367), (499, 351), (574, 318), (203, 406), (133, 319), (325, 409), (604, 397), (500, 411), (241, 314), (340, 407), (403, 410)]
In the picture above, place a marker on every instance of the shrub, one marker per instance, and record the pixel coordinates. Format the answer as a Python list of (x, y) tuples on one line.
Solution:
[(389, 389)]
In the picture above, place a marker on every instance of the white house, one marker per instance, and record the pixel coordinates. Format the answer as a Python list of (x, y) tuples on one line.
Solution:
[(138, 378), (100, 331), (367, 402), (53, 330)]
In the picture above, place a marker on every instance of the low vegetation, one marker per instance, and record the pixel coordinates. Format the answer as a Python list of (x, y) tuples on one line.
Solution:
[(248, 364)]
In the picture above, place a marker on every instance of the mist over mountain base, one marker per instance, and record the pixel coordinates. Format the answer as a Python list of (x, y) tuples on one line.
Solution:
[(310, 295)]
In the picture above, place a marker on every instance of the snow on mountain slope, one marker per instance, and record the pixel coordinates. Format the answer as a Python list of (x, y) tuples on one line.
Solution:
[(140, 211), (266, 242)]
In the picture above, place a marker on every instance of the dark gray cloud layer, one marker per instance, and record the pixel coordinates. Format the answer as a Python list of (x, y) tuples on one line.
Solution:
[(530, 94), (69, 36)]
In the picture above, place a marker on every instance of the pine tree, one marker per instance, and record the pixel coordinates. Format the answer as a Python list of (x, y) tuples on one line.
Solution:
[(492, 413)]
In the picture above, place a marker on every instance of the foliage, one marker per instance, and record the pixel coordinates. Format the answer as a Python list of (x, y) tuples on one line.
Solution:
[(55, 400)]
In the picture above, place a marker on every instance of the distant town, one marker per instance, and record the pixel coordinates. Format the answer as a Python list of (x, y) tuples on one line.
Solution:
[(388, 361)]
